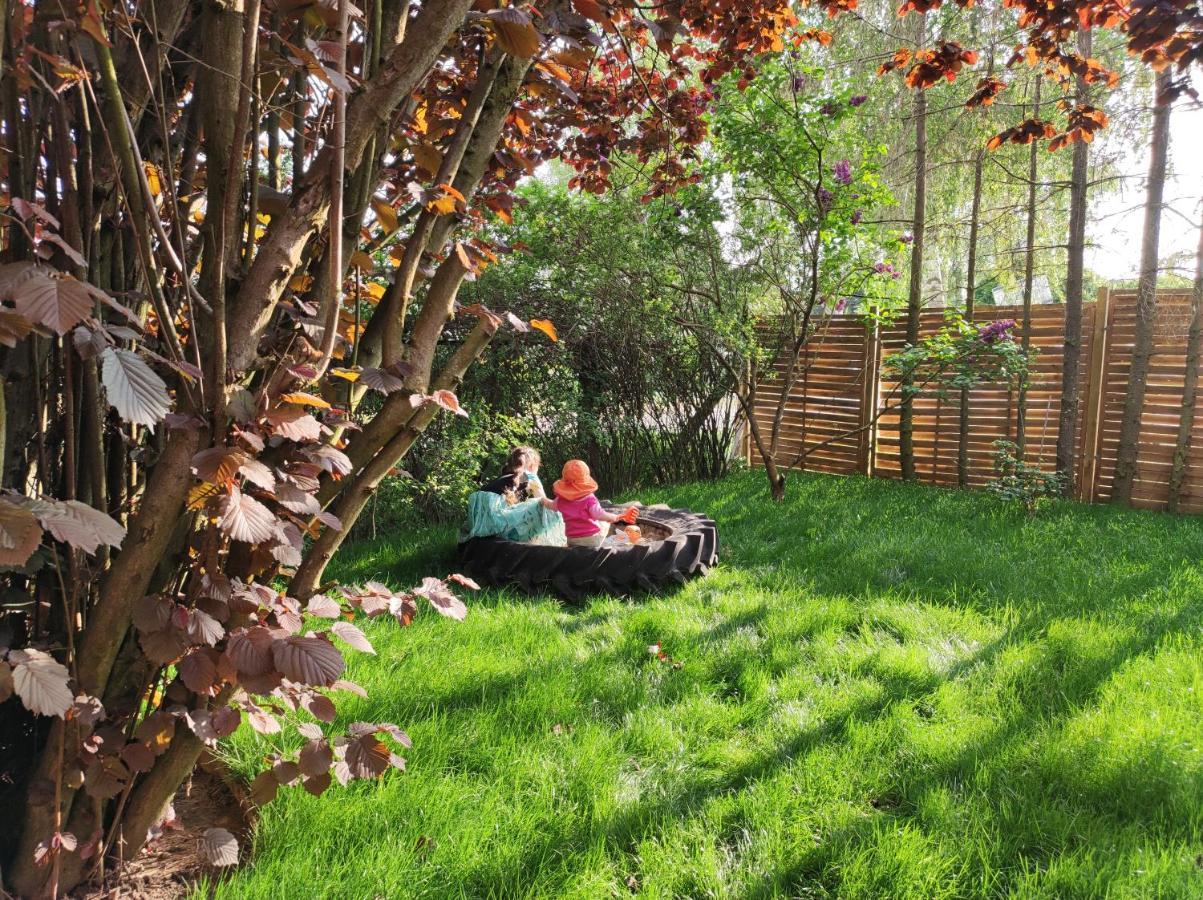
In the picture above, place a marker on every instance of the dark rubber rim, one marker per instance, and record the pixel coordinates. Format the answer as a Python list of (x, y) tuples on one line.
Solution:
[(690, 549)]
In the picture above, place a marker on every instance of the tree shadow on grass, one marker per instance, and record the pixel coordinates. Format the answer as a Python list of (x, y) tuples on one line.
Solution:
[(1050, 697), (1050, 687), (1051, 704)]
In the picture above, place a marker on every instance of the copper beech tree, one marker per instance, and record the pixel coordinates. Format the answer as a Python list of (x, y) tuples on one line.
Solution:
[(224, 223)]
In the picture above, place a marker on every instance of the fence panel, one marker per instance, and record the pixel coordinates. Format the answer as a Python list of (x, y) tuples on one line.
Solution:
[(839, 387), (993, 408), (1162, 407), (823, 413)]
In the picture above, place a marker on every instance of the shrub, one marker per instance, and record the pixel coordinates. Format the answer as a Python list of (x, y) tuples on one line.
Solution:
[(1019, 482)]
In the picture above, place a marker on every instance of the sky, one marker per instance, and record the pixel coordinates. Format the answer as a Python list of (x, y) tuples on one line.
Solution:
[(1117, 218)]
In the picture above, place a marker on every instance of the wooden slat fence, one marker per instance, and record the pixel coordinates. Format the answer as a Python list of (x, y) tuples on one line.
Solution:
[(838, 392), (830, 398)]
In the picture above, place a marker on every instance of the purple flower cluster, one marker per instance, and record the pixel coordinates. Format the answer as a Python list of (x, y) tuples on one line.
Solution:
[(907, 237), (885, 268), (995, 331), (825, 197), (843, 172), (829, 109), (856, 217), (857, 100)]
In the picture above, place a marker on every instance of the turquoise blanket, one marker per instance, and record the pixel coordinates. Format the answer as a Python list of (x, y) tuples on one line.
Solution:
[(528, 522)]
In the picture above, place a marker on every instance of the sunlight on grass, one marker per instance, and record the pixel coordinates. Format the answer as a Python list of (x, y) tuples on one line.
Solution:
[(884, 691)]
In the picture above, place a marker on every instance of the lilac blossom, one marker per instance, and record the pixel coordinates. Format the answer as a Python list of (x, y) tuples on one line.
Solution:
[(828, 109), (907, 237), (995, 331), (843, 172), (857, 100), (824, 197), (856, 217)]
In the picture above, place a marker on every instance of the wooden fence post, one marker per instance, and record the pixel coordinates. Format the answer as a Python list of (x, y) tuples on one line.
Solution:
[(868, 401), (1095, 397), (750, 385)]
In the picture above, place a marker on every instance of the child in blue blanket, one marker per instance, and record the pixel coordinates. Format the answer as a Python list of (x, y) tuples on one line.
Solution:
[(509, 506)]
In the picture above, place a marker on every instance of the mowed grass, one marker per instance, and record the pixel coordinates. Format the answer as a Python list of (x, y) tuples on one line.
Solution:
[(884, 691)]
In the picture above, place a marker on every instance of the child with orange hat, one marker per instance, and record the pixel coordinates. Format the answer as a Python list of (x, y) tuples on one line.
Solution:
[(576, 501)]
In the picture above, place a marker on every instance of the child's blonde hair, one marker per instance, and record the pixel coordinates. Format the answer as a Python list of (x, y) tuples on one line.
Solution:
[(522, 457)]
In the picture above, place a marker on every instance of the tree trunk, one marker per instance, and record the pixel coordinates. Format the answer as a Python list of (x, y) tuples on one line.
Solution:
[(1029, 274), (352, 500), (970, 283), (1146, 302), (1067, 425), (914, 302), (1186, 421)]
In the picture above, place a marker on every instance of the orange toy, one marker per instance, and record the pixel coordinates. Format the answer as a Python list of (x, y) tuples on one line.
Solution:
[(629, 515), (633, 533)]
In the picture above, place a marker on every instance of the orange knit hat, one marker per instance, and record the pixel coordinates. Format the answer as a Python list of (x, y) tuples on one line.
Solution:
[(575, 482)]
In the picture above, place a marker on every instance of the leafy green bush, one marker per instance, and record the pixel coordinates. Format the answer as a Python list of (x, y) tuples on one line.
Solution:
[(1019, 482)]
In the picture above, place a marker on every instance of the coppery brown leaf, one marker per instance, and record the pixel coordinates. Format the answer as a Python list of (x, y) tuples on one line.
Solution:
[(515, 32), (163, 646), (293, 423), (138, 757), (6, 681), (201, 723), (352, 636), (218, 465), (380, 380), (156, 731), (133, 388), (203, 628), (20, 534), (244, 518), (197, 671), (56, 300), (308, 660), (286, 772), (323, 606), (315, 758), (317, 784), (344, 685), (152, 612), (76, 523), (226, 720), (320, 707), (449, 401), (105, 777), (40, 681), (264, 788), (441, 598), (250, 650), (258, 474), (219, 847), (295, 500), (14, 327), (262, 721), (367, 757)]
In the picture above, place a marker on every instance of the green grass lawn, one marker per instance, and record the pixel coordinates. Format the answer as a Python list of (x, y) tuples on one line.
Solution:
[(885, 691)]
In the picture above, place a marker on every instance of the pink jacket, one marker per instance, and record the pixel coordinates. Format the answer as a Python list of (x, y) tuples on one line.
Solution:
[(580, 516)]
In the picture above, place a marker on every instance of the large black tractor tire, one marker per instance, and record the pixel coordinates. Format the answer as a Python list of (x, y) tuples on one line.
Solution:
[(679, 544)]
